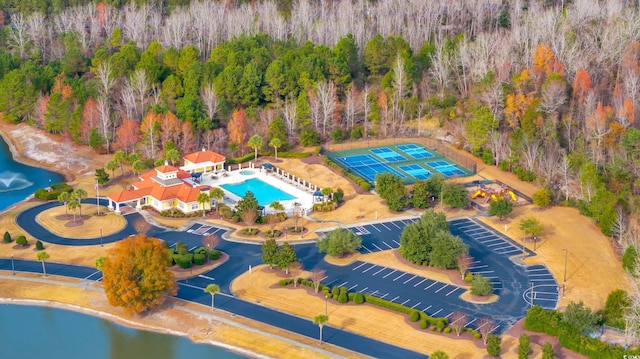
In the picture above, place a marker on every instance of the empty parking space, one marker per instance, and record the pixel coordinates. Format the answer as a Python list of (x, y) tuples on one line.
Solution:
[(380, 236)]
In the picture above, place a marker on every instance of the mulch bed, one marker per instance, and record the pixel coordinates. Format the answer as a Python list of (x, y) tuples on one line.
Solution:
[(541, 338), (76, 223)]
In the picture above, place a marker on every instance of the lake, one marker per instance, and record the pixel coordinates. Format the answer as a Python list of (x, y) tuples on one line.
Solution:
[(18, 181), (42, 332)]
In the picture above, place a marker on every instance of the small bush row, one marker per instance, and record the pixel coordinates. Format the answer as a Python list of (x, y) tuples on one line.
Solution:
[(181, 256), (286, 154), (355, 178), (56, 189), (243, 159)]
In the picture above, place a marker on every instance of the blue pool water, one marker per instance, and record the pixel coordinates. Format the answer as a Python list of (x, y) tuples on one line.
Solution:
[(264, 192)]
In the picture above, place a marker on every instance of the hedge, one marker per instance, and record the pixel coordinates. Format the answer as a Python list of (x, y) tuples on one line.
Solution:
[(184, 261), (286, 154), (56, 189), (358, 298), (414, 316), (541, 320), (233, 161), (357, 179), (285, 282), (213, 255)]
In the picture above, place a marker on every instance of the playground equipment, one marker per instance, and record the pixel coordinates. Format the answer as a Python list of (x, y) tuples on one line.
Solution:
[(489, 194)]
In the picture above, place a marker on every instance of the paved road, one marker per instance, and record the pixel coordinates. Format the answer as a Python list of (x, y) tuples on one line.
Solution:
[(241, 256)]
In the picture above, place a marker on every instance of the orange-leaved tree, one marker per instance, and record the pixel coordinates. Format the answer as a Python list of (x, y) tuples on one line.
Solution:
[(238, 129), (136, 276)]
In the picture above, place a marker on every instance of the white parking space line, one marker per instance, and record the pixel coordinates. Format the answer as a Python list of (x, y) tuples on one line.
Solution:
[(536, 269), (374, 292), (397, 226), (451, 292), (512, 251), (474, 319), (385, 243), (545, 299), (325, 277), (540, 275), (333, 281), (363, 263), (478, 267), (436, 313), (380, 270), (543, 280), (368, 269), (481, 238), (405, 302), (376, 228), (400, 276), (431, 285), (446, 285), (409, 280), (420, 282), (417, 304), (427, 308), (396, 242), (501, 243), (380, 249), (388, 274), (369, 250), (492, 240), (382, 224), (397, 296), (173, 245), (205, 277), (386, 294), (483, 271), (341, 285), (352, 287), (448, 315)]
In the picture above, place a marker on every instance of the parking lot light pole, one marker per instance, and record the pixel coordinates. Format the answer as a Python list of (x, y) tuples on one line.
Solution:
[(566, 253), (326, 305)]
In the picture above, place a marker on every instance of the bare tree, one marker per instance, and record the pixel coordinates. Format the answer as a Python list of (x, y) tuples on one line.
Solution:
[(141, 226), (104, 113), (458, 321), (140, 85), (210, 100), (289, 112), (106, 78), (326, 94), (210, 241), (464, 262), (485, 327), (366, 107), (317, 275), (440, 69), (294, 271), (249, 218), (351, 105), (128, 99), (18, 34)]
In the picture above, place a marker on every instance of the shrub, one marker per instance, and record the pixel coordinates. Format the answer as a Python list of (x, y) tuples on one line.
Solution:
[(614, 308), (358, 298), (542, 198), (56, 189), (22, 241), (481, 285), (468, 277), (423, 324), (7, 237), (184, 261), (474, 333), (285, 282), (335, 291), (175, 258), (342, 297), (524, 346), (249, 231), (629, 259), (199, 259), (487, 156), (447, 330), (414, 316), (200, 250), (433, 328), (213, 255), (440, 326), (39, 245), (493, 345), (182, 248), (540, 320)]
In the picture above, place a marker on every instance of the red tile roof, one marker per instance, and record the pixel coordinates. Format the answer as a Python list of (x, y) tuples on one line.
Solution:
[(204, 156), (166, 169)]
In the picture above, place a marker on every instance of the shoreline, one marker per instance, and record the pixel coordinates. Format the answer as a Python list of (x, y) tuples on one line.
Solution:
[(127, 323)]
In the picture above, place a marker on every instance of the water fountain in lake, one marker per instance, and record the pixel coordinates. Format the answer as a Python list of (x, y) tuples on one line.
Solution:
[(12, 181)]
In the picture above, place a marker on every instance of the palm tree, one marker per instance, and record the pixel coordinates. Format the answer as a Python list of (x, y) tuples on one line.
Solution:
[(275, 143), (218, 194), (42, 256), (63, 198), (121, 158), (202, 199), (112, 166), (276, 206), (173, 155), (73, 204), (326, 192), (80, 195), (212, 289), (319, 320), (138, 166), (255, 142)]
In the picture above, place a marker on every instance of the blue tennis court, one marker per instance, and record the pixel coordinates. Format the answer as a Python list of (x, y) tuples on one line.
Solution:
[(387, 154), (367, 166), (416, 171), (415, 151), (446, 168)]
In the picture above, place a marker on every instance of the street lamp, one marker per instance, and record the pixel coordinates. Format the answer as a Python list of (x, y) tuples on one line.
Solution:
[(326, 305), (101, 245), (523, 239), (566, 253), (13, 270)]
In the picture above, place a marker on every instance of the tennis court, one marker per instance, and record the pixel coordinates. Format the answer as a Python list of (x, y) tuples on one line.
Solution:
[(447, 169), (407, 161), (415, 151), (416, 171)]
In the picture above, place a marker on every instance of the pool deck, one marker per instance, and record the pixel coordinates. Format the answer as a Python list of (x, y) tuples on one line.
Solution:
[(303, 195)]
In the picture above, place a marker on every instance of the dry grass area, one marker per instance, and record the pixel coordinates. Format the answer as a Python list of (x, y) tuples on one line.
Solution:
[(593, 270), (196, 322), (261, 286), (88, 226)]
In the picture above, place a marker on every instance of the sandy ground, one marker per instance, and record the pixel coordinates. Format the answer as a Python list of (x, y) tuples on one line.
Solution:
[(564, 229)]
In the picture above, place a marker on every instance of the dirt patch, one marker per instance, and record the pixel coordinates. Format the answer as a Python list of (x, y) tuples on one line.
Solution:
[(74, 223)]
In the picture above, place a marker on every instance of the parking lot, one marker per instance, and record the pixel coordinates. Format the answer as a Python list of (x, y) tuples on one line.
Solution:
[(380, 236)]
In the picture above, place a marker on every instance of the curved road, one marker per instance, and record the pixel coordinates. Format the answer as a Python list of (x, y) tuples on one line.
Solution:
[(241, 256)]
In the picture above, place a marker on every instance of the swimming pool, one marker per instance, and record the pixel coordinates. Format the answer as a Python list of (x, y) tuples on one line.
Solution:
[(264, 192)]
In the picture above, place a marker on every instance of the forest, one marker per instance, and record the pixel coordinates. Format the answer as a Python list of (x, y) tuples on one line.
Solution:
[(546, 89)]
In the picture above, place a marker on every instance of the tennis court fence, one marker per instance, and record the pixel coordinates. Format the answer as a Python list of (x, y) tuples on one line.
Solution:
[(450, 153)]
